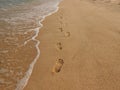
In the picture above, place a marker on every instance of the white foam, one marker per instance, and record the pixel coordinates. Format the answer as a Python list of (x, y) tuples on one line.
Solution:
[(23, 82)]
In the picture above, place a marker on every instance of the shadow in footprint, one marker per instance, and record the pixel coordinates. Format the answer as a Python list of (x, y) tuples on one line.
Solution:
[(67, 34), (59, 45), (58, 65), (61, 29)]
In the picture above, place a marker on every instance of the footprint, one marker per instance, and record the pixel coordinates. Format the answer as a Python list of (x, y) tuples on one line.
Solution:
[(67, 34), (59, 45), (58, 66), (61, 29)]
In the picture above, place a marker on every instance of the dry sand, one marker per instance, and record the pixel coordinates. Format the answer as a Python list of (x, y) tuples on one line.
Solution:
[(80, 49)]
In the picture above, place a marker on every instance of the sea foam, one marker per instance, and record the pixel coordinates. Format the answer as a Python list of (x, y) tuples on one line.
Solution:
[(17, 22), (23, 82)]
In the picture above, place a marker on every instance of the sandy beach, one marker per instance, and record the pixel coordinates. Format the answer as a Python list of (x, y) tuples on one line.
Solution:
[(80, 49)]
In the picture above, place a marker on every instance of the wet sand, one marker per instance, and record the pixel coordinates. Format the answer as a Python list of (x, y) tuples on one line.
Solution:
[(80, 49)]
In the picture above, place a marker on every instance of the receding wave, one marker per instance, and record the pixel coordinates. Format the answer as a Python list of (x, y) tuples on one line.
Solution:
[(19, 51)]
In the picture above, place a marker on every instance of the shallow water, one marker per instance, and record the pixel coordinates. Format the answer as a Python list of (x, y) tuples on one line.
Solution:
[(19, 26)]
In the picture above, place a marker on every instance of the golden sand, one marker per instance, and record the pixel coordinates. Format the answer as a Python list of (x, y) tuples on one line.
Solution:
[(89, 36)]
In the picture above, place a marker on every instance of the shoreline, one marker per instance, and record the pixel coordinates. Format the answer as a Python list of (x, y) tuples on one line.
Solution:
[(23, 82), (68, 38)]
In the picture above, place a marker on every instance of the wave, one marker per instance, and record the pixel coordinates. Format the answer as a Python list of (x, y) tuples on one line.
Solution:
[(20, 26)]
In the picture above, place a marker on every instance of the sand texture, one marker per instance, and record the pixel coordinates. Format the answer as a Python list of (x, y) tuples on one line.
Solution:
[(80, 49)]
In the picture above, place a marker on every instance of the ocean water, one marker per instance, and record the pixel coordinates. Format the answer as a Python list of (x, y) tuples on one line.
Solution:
[(20, 22)]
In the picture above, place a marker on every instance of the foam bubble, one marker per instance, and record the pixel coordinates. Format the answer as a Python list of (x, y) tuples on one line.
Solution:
[(23, 82)]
